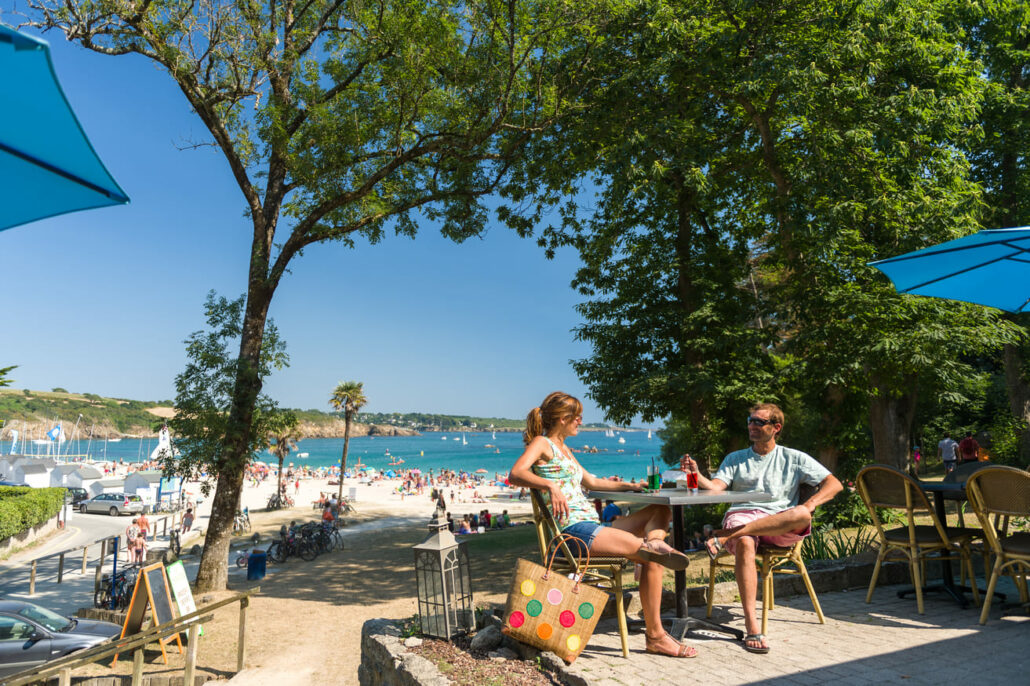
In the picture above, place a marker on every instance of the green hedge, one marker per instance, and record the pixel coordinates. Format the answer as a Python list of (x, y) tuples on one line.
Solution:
[(22, 508)]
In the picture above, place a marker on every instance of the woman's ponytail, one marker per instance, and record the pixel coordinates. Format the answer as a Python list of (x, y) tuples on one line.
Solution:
[(534, 426)]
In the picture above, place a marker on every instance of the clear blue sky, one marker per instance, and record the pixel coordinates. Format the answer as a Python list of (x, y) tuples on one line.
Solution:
[(101, 301)]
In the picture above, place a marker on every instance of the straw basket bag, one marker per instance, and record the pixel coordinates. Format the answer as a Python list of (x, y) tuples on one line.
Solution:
[(550, 611)]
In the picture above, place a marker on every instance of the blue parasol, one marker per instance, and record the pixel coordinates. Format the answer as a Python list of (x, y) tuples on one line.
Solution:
[(987, 268), (47, 165)]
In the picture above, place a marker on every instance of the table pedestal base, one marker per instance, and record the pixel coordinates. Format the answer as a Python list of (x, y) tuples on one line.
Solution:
[(699, 628)]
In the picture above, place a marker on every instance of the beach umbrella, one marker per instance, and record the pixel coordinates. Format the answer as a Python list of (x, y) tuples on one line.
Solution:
[(47, 165), (481, 471), (987, 268)]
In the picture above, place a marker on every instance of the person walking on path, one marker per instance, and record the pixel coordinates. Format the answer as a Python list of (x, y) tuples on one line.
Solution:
[(968, 448), (187, 520), (947, 450), (769, 468), (144, 525), (549, 466)]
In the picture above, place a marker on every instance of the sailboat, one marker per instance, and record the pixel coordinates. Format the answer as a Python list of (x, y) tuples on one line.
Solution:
[(463, 441), (493, 435), (649, 434)]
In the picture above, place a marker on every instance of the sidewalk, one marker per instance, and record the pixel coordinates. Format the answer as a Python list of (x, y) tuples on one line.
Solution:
[(885, 641)]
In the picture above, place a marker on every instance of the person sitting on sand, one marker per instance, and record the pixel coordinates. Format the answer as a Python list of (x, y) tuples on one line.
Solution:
[(465, 527), (547, 465)]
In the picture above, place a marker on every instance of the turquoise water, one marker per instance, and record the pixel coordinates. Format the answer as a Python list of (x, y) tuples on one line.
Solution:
[(428, 451)]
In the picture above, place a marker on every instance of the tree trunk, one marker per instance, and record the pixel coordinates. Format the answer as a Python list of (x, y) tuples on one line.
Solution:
[(829, 426), (279, 478), (1019, 396), (346, 446), (213, 574), (890, 417)]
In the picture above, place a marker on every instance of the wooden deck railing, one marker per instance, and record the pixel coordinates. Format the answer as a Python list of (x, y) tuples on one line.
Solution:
[(62, 667)]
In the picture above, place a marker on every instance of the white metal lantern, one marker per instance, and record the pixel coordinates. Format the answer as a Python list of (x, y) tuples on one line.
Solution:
[(443, 583)]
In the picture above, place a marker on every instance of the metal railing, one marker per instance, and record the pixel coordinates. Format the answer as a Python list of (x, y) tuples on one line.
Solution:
[(62, 667), (105, 549)]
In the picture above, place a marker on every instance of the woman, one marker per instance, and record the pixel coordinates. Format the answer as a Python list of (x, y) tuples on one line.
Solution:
[(547, 465)]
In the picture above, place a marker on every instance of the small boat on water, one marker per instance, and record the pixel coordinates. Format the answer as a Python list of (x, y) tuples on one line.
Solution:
[(303, 455), (443, 438), (621, 439), (114, 440)]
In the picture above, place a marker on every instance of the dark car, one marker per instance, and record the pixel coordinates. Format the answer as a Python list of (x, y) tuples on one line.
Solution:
[(31, 635), (75, 495)]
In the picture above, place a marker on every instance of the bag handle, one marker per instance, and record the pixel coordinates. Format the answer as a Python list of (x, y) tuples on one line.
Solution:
[(565, 538)]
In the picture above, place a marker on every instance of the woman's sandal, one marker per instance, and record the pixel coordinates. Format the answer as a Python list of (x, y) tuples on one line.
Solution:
[(682, 651), (714, 547), (758, 638), (670, 558)]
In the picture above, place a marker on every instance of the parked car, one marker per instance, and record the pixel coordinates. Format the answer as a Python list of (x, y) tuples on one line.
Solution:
[(75, 495), (113, 504), (31, 635)]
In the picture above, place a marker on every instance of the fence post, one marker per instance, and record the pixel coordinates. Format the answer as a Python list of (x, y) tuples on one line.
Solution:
[(137, 667), (191, 654), (241, 643), (32, 579), (100, 565), (60, 568), (65, 678), (85, 551)]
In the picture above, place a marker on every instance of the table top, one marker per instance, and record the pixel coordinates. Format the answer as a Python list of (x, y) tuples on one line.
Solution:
[(681, 496), (943, 486)]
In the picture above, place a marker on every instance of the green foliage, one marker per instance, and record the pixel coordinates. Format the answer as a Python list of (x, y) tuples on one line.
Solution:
[(4, 371), (106, 414), (204, 391), (827, 543), (59, 390), (22, 508)]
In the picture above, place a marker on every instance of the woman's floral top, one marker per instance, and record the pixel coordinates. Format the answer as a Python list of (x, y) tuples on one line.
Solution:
[(569, 475)]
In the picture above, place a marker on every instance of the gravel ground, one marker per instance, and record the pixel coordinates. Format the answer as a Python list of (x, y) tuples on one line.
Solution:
[(472, 668)]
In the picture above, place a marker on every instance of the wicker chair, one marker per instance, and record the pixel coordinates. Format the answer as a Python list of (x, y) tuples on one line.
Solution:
[(770, 560), (1003, 491), (603, 572), (885, 487)]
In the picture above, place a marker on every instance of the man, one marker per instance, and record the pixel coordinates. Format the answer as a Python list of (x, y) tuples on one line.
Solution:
[(947, 451), (969, 449), (778, 471), (610, 513)]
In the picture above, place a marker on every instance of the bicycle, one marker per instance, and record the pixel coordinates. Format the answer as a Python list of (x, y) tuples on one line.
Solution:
[(115, 594), (241, 522), (289, 544)]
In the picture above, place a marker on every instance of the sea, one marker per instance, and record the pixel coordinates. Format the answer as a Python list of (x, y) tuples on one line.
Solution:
[(471, 451)]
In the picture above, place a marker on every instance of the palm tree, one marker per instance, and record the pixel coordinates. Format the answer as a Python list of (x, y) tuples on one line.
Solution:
[(282, 441), (349, 397)]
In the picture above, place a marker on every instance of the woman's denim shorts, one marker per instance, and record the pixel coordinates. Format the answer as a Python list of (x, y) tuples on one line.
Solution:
[(585, 531)]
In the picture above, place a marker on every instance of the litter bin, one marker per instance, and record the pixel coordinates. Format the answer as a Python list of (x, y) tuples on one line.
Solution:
[(256, 565)]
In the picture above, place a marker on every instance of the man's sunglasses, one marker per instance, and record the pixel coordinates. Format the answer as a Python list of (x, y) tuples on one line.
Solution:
[(759, 421)]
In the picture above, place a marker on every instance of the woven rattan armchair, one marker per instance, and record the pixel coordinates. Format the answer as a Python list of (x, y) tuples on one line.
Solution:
[(1003, 491), (603, 572), (886, 487), (770, 560)]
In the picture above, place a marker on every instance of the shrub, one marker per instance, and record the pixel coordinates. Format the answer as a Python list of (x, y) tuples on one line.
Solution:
[(827, 543), (22, 508)]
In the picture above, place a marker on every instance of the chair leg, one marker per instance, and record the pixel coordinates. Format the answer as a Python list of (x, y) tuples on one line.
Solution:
[(620, 613), (917, 579), (711, 587), (876, 573), (1024, 597), (990, 591), (811, 591), (767, 582), (967, 563)]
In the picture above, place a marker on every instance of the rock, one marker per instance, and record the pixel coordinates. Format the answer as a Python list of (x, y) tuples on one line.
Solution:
[(413, 642), (503, 654), (488, 639), (525, 651)]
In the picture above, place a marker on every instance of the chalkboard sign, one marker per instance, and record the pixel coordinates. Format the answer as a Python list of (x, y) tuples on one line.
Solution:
[(151, 589)]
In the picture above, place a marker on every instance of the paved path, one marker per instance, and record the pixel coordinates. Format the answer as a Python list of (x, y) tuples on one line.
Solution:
[(886, 641)]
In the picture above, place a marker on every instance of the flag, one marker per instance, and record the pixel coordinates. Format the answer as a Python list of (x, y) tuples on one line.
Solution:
[(53, 433)]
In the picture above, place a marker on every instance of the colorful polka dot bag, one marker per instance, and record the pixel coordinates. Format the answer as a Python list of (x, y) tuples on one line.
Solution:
[(550, 611)]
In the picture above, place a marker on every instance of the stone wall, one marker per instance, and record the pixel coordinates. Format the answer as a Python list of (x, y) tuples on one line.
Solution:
[(385, 660)]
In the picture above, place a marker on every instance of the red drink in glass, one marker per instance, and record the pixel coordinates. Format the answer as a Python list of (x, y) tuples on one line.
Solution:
[(692, 480)]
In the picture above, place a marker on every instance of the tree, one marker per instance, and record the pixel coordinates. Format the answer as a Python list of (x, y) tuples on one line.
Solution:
[(204, 393), (348, 397), (282, 438), (341, 119), (4, 371)]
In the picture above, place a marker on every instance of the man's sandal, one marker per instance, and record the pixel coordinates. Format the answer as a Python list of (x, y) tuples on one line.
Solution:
[(682, 651), (714, 547), (756, 638), (671, 558)]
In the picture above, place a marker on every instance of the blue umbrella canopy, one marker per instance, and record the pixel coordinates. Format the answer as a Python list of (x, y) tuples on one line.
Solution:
[(47, 165), (987, 268)]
